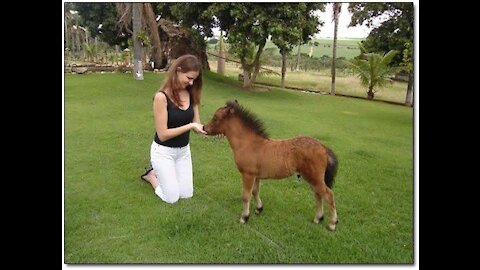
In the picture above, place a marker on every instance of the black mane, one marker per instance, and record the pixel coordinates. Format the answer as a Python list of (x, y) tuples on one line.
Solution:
[(248, 118)]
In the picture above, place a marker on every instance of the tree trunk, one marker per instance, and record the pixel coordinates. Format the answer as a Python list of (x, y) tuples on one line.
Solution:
[(297, 65), (137, 45), (256, 63), (284, 68), (247, 80), (86, 37), (221, 63), (336, 13), (370, 94), (77, 40), (66, 34), (409, 97), (221, 53), (154, 36)]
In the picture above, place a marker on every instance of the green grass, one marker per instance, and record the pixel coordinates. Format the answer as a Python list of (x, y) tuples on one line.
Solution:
[(111, 216)]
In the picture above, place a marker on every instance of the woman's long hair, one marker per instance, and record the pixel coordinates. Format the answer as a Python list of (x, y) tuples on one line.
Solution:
[(184, 64)]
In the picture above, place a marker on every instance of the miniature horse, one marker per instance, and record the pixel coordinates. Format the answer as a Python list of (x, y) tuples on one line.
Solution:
[(258, 157)]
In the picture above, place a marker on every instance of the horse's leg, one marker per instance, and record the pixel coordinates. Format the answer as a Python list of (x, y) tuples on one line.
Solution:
[(332, 209), (323, 192), (256, 195), (319, 212), (248, 182)]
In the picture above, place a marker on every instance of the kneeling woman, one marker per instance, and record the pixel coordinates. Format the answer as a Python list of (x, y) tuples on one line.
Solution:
[(176, 112)]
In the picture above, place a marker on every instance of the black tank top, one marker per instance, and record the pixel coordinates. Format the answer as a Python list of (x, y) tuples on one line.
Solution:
[(177, 118)]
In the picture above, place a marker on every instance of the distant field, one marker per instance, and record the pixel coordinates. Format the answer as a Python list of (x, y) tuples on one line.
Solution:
[(347, 48)]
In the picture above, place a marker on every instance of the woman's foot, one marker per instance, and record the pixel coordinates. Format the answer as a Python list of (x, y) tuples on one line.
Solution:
[(147, 175)]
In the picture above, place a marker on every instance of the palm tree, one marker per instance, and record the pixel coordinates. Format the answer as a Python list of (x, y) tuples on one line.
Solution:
[(337, 8), (373, 71)]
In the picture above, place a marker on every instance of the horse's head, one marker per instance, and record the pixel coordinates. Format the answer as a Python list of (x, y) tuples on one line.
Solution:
[(217, 124)]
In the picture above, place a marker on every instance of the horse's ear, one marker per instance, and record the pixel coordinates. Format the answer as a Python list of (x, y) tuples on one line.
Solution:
[(236, 101)]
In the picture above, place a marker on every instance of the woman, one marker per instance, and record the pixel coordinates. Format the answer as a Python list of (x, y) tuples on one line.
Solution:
[(176, 112)]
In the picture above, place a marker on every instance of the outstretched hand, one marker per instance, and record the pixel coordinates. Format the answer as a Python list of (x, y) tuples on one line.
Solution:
[(198, 128)]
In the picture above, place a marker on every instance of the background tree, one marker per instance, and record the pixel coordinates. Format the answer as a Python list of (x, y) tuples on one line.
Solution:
[(148, 25), (101, 19), (408, 65), (249, 25), (189, 15), (337, 8), (373, 70), (285, 38), (195, 17), (394, 33), (66, 18)]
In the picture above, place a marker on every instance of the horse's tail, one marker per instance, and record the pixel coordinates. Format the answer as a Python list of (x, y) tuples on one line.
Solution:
[(332, 164)]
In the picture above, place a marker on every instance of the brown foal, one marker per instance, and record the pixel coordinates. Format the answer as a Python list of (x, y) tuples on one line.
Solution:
[(259, 157)]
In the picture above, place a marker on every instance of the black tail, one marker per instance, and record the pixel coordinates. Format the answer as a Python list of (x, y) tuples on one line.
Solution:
[(331, 171)]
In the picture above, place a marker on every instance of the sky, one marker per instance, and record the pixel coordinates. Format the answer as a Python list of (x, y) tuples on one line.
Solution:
[(326, 31)]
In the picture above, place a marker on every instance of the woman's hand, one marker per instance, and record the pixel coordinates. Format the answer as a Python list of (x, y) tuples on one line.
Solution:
[(198, 128)]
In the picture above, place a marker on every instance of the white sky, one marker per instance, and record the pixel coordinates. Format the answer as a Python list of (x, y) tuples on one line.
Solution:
[(326, 31)]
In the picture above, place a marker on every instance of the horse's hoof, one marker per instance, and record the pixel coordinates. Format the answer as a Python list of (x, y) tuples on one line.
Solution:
[(332, 227), (258, 210), (244, 219), (318, 220)]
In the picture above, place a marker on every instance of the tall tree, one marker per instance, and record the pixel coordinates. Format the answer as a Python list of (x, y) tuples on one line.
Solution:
[(152, 27), (337, 8), (137, 11), (149, 26), (393, 33)]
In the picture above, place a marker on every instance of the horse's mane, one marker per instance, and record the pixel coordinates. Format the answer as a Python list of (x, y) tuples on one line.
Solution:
[(248, 118)]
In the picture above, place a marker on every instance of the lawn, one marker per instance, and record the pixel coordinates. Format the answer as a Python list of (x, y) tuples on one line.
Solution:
[(111, 216)]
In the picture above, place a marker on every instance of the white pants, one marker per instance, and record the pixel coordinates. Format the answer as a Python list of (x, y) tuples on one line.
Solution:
[(173, 167)]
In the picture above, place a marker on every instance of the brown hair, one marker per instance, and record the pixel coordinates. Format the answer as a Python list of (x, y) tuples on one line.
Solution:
[(184, 64)]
